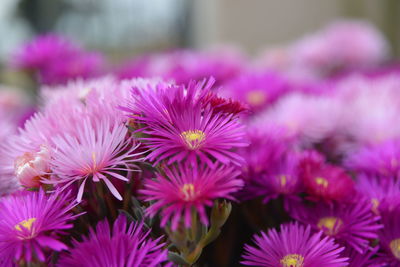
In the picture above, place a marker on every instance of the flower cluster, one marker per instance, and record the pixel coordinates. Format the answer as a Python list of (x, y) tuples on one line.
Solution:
[(175, 151)]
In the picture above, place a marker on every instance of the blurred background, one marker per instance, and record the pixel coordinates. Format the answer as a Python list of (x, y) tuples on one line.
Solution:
[(124, 28)]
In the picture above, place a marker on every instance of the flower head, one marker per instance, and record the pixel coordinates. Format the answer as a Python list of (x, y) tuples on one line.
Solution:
[(294, 246), (122, 245), (184, 188), (352, 224), (178, 127), (31, 222), (257, 90), (94, 152), (325, 181)]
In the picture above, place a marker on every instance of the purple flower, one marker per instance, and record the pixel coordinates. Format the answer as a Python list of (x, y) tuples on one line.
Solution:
[(389, 238), (381, 159), (178, 127), (353, 224), (258, 90), (122, 245), (294, 246), (43, 50), (94, 152), (184, 188), (31, 222)]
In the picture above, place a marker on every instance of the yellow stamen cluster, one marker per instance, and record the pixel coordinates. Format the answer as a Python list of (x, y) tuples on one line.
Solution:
[(395, 248), (330, 225), (322, 182), (188, 192), (292, 260), (193, 138), (27, 224), (256, 97)]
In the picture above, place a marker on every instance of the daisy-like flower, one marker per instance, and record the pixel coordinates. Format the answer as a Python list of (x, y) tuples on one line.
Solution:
[(293, 246), (184, 188), (357, 259), (94, 152), (258, 90), (389, 238), (179, 127), (354, 224), (379, 159), (31, 223), (384, 194), (325, 181), (121, 245), (43, 50)]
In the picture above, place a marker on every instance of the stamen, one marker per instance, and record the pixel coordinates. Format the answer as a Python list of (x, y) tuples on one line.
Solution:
[(395, 248), (193, 138), (330, 225), (256, 97), (292, 260), (321, 181), (27, 224), (188, 192)]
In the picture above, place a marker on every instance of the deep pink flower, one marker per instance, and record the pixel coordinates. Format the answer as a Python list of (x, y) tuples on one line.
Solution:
[(351, 224), (185, 188), (325, 181), (31, 223), (43, 50), (294, 246), (121, 245)]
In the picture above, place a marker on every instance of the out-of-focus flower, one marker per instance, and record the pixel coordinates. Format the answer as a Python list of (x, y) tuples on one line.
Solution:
[(379, 159), (121, 245), (371, 108), (389, 238), (93, 152), (357, 259), (295, 245), (258, 90), (185, 188), (82, 65), (353, 224), (43, 50), (383, 193), (324, 181), (182, 66), (178, 127), (271, 163), (31, 222)]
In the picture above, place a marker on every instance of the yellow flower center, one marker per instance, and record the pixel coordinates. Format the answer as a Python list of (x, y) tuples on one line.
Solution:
[(283, 179), (193, 138), (188, 192), (330, 225), (292, 260), (256, 97), (27, 224), (395, 247), (322, 182), (375, 205)]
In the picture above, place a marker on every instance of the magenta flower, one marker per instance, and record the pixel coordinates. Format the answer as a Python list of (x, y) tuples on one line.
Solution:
[(357, 259), (380, 159), (354, 224), (121, 245), (31, 223), (185, 188), (94, 152), (294, 246), (258, 90), (325, 181), (43, 50), (179, 127), (384, 194)]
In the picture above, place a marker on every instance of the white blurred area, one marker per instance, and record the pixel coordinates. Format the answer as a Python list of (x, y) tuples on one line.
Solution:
[(124, 25)]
